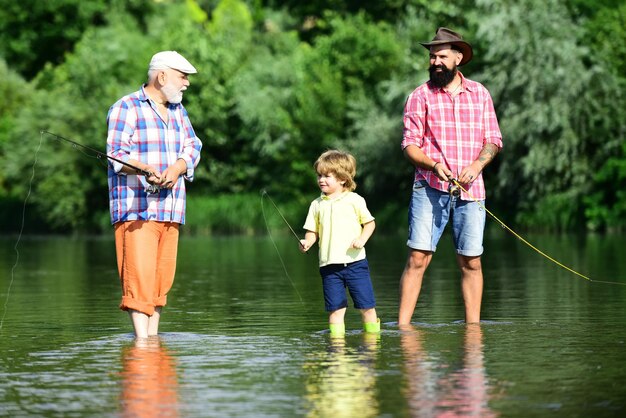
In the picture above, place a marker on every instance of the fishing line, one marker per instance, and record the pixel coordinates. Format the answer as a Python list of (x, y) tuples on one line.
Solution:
[(19, 237), (505, 226), (263, 195)]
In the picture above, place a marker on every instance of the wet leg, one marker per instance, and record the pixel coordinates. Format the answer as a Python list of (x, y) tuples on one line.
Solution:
[(472, 286), (411, 283), (153, 322), (140, 323)]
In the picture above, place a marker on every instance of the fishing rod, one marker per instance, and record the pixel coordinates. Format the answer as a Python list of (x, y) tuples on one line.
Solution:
[(505, 226), (151, 188), (264, 194), (455, 188)]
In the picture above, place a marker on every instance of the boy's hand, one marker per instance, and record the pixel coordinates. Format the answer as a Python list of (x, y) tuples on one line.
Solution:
[(358, 243), (304, 245)]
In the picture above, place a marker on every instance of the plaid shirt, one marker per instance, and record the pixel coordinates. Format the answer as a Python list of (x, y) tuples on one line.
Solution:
[(136, 131), (451, 131)]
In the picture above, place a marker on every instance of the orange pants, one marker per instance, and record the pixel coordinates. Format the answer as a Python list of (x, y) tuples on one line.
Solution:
[(146, 262)]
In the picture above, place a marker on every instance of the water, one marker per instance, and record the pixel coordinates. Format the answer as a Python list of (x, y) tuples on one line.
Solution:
[(237, 340)]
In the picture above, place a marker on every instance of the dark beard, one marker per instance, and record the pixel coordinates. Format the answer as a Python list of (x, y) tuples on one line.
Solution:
[(443, 78)]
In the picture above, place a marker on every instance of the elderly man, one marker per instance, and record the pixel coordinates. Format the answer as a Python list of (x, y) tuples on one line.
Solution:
[(150, 129), (450, 134)]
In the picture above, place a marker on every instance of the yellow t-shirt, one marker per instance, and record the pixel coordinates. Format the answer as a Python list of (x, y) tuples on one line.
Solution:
[(338, 222)]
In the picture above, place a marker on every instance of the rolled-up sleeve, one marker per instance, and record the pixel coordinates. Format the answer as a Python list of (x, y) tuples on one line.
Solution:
[(414, 121), (191, 148), (121, 126), (490, 123)]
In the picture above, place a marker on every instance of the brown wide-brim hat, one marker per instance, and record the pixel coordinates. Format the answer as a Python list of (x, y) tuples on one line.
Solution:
[(447, 36)]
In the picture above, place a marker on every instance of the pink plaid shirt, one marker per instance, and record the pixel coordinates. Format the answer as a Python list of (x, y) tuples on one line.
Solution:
[(451, 131)]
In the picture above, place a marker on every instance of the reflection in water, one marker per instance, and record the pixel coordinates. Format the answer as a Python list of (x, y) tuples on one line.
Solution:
[(421, 392), (149, 382), (341, 381), (434, 390)]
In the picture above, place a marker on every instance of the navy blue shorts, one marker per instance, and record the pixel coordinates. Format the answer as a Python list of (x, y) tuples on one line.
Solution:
[(354, 276)]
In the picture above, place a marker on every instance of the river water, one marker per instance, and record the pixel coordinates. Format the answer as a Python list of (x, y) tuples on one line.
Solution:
[(244, 334)]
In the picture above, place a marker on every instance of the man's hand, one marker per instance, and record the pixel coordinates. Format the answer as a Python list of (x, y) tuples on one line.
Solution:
[(470, 173), (442, 172), (170, 176), (154, 176)]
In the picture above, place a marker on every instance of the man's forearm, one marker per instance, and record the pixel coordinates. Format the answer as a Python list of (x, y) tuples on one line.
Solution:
[(487, 154), (418, 158)]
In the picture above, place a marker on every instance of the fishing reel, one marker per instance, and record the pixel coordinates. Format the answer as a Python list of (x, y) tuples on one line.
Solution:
[(454, 189), (152, 189)]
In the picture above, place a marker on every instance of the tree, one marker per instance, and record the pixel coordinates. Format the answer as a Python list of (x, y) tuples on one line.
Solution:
[(33, 32), (605, 206), (278, 85), (555, 107)]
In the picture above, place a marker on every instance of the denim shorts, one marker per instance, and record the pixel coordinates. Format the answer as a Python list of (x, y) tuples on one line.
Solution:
[(354, 276), (429, 213)]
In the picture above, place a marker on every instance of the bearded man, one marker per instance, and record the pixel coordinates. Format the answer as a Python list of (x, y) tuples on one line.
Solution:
[(150, 130), (450, 135)]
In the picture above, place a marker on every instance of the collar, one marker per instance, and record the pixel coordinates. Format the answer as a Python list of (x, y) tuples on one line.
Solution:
[(334, 199), (143, 96)]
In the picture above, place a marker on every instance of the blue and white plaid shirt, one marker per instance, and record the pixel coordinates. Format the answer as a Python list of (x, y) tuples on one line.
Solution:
[(137, 131)]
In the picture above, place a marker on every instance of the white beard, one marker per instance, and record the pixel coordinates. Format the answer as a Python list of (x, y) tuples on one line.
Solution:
[(172, 95)]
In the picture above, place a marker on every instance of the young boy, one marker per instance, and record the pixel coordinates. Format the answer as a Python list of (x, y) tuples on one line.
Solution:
[(339, 218)]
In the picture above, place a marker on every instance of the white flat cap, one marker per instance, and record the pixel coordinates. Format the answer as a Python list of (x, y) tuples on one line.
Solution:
[(171, 59)]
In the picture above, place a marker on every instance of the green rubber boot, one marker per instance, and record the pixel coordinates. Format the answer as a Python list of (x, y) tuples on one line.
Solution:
[(337, 330), (373, 327)]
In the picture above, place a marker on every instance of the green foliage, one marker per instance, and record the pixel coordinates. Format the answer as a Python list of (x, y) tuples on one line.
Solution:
[(362, 52), (221, 47), (606, 205), (558, 211), (589, 8), (289, 98), (247, 213), (222, 214), (263, 93), (339, 94), (378, 10), (87, 83), (16, 93), (281, 81), (34, 32), (556, 110), (607, 31), (13, 89)]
